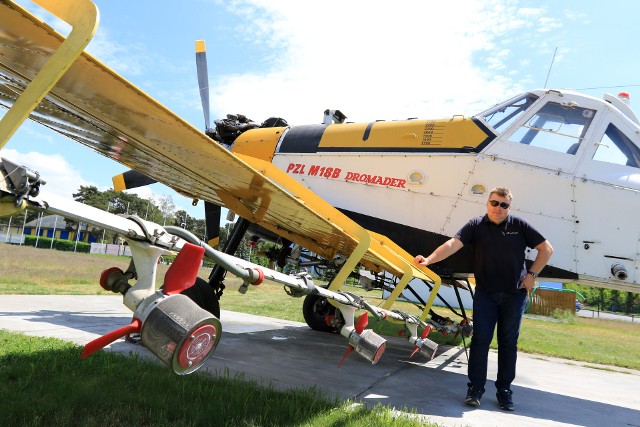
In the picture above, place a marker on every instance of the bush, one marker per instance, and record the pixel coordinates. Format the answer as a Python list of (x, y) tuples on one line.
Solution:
[(564, 316), (169, 259), (61, 245)]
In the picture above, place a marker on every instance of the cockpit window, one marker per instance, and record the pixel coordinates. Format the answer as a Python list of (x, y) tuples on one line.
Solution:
[(556, 127), (616, 148), (503, 115)]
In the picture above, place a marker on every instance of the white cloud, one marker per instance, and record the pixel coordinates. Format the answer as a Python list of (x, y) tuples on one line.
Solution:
[(62, 179), (371, 59), (374, 59)]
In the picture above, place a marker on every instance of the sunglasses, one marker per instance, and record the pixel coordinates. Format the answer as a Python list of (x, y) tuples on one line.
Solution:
[(503, 205)]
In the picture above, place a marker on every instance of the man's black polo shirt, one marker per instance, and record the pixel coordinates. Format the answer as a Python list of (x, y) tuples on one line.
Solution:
[(499, 251)]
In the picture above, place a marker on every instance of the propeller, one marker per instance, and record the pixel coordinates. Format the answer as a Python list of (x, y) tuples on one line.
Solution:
[(131, 179), (203, 79), (212, 211), (134, 179)]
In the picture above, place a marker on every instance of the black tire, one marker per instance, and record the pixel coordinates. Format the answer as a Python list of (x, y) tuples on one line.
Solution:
[(205, 296), (315, 310)]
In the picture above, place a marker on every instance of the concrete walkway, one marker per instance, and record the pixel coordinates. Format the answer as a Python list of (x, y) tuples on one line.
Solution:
[(282, 354)]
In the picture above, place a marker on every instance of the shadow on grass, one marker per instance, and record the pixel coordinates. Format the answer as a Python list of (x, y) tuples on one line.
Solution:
[(44, 382)]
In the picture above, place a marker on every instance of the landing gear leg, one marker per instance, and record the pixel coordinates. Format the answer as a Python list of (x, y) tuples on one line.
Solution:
[(207, 294)]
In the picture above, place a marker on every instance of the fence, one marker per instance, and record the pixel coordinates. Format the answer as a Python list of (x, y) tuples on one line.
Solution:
[(17, 239), (545, 301), (109, 249)]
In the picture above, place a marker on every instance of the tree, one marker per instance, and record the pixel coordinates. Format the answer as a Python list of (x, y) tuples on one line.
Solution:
[(89, 195), (632, 297), (161, 211), (167, 207), (197, 226), (116, 202), (615, 301)]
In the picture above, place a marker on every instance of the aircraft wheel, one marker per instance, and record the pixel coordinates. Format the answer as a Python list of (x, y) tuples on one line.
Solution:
[(205, 296), (316, 310)]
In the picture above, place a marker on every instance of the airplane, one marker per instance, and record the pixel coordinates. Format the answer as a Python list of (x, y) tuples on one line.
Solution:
[(349, 196)]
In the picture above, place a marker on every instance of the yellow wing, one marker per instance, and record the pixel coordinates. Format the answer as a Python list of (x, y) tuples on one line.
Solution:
[(96, 107)]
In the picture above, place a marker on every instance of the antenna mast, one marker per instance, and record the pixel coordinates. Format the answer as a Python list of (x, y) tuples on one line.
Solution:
[(550, 67)]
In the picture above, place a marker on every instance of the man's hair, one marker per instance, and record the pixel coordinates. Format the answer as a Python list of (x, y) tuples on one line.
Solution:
[(502, 192)]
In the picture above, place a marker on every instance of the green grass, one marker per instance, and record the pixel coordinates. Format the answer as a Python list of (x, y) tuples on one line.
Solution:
[(43, 382), (600, 341), (27, 270)]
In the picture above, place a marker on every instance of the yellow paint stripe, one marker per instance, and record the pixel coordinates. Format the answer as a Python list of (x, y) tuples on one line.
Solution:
[(214, 242), (200, 47), (118, 182), (419, 134)]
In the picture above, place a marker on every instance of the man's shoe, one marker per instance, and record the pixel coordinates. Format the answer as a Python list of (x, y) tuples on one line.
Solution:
[(504, 399), (473, 396)]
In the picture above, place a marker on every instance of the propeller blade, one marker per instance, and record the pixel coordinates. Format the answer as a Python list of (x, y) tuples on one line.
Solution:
[(349, 351), (426, 331), (184, 271), (131, 179), (203, 79), (107, 339), (212, 223), (362, 322)]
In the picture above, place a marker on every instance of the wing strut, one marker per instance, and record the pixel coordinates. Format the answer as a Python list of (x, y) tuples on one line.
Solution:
[(83, 16)]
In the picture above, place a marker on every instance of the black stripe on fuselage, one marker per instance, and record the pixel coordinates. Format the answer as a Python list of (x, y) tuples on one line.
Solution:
[(367, 131), (302, 139), (416, 241), (490, 135)]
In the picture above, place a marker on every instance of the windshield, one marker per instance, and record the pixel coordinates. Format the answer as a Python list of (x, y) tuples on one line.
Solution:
[(501, 116)]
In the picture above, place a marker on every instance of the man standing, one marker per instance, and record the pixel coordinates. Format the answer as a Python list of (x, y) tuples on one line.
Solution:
[(499, 242)]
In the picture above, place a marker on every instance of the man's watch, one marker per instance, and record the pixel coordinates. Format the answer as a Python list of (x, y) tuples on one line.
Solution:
[(535, 275)]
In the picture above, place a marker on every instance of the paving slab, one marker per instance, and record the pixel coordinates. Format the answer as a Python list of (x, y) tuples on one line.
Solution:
[(285, 355)]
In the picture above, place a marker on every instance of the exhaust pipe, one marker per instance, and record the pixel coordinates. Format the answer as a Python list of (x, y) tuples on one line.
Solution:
[(619, 271)]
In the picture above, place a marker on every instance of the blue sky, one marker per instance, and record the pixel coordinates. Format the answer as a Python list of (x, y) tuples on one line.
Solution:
[(370, 59)]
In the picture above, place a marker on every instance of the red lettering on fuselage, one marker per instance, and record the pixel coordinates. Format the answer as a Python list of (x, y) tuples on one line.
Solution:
[(386, 181), (296, 168), (335, 173)]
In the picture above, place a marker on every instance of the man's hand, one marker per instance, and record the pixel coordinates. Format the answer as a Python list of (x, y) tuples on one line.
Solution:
[(528, 283), (420, 260)]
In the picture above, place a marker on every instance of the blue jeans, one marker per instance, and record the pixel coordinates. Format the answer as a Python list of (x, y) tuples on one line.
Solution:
[(504, 309)]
